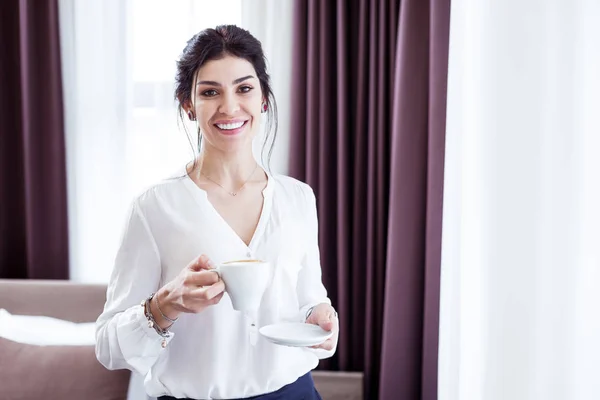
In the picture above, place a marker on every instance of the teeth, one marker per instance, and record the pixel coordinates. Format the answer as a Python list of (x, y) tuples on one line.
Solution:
[(230, 126)]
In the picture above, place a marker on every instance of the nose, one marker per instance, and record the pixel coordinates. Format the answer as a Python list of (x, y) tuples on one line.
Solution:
[(229, 104)]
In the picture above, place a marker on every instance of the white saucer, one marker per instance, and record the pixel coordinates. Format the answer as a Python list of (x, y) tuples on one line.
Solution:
[(295, 334)]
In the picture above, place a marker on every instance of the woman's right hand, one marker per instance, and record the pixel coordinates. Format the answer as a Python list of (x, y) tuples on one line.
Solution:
[(193, 290)]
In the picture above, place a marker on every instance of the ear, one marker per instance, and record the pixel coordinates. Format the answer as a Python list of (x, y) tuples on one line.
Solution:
[(187, 106)]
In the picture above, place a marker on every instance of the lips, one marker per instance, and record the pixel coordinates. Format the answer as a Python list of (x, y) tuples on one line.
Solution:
[(231, 127)]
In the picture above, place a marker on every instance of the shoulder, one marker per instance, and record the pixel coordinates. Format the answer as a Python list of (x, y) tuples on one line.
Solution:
[(293, 188), (159, 195)]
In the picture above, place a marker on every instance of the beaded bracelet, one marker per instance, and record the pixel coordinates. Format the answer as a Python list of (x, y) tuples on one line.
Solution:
[(164, 333)]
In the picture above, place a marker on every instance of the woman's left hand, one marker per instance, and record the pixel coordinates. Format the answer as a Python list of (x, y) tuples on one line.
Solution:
[(325, 316)]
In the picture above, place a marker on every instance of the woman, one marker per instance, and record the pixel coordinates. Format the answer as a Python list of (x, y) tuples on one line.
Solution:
[(185, 337)]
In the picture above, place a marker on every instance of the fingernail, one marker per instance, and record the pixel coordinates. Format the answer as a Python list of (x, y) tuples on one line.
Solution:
[(211, 264)]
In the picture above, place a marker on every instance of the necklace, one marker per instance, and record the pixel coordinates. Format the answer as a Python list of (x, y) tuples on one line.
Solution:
[(241, 187)]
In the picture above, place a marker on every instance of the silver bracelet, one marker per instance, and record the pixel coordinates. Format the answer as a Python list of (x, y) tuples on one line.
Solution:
[(310, 310), (164, 333), (172, 321)]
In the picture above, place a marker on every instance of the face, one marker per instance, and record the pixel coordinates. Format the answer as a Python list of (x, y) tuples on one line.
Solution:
[(227, 103)]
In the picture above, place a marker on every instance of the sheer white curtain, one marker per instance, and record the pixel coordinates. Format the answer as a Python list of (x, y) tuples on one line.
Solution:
[(121, 124), (98, 103), (521, 260), (270, 21)]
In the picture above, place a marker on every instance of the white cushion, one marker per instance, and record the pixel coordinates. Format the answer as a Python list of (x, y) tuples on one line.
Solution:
[(45, 331)]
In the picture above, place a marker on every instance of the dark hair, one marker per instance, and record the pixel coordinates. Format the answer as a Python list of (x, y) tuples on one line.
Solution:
[(213, 44)]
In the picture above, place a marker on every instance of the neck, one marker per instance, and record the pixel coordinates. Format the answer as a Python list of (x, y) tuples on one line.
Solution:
[(228, 169)]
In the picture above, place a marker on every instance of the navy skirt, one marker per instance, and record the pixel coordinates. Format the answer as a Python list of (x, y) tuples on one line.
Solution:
[(302, 389)]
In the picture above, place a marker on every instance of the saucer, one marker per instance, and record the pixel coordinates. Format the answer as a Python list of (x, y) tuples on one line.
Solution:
[(295, 334)]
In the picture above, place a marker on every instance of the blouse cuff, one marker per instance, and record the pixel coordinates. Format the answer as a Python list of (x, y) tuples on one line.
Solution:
[(322, 353), (140, 349), (148, 329)]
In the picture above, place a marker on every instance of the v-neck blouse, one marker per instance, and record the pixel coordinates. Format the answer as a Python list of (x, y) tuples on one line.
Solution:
[(201, 198), (218, 353)]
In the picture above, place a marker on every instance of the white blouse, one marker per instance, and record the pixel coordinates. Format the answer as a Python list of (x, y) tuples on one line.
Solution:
[(216, 354)]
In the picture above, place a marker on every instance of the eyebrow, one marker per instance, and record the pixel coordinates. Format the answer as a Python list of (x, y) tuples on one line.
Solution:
[(235, 82)]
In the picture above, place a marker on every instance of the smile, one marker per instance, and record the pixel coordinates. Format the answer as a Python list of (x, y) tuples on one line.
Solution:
[(232, 127)]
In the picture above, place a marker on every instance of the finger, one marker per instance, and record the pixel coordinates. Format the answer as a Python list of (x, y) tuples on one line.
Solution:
[(201, 263), (217, 298), (326, 324), (215, 289), (327, 320), (209, 292), (204, 278), (326, 345)]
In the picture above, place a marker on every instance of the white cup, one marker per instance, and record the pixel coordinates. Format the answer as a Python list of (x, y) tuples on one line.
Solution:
[(245, 282)]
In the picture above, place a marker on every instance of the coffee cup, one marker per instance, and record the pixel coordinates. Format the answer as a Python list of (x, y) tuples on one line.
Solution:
[(245, 282)]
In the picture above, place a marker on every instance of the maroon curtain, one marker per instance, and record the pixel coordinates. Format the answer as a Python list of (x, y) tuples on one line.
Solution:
[(411, 314), (369, 88), (33, 192)]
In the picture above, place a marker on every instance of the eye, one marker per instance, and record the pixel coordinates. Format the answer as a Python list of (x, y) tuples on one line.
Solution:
[(245, 89), (209, 93)]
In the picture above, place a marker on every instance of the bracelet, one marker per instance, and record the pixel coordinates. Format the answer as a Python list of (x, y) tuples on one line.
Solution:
[(172, 321), (164, 333), (310, 310)]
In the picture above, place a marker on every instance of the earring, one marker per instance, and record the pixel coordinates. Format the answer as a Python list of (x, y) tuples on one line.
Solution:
[(264, 107), (191, 116)]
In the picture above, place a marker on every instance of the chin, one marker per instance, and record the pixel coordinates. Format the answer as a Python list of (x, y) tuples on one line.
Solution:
[(231, 144)]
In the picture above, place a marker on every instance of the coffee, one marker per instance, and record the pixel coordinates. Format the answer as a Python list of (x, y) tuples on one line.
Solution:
[(243, 261)]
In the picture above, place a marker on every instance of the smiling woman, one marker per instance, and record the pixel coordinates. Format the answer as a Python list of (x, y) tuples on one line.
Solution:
[(228, 113), (222, 206), (208, 97)]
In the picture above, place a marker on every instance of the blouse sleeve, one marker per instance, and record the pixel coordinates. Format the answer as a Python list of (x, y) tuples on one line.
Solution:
[(123, 337), (310, 288)]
